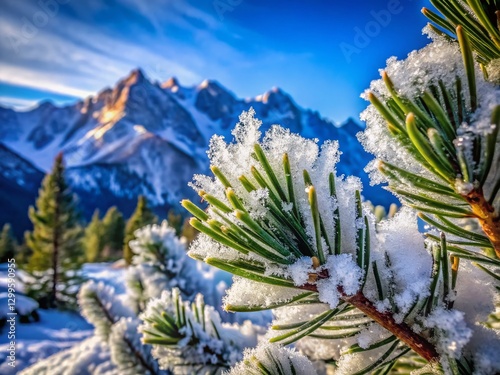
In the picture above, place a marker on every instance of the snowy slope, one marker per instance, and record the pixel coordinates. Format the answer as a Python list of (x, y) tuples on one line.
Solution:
[(144, 137), (57, 330)]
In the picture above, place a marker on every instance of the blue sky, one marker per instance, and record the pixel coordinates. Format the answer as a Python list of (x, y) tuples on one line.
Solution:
[(323, 53)]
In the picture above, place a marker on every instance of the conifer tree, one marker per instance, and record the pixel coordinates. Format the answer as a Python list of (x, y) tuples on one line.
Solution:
[(55, 241), (23, 254), (94, 239), (7, 244), (175, 220), (141, 217), (113, 225)]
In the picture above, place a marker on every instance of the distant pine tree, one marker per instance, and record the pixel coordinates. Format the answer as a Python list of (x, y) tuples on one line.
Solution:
[(55, 242), (8, 244), (175, 220), (113, 224), (141, 217), (94, 239), (188, 231), (23, 254)]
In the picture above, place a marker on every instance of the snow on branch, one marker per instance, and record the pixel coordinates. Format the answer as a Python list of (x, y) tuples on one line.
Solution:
[(100, 307), (190, 338)]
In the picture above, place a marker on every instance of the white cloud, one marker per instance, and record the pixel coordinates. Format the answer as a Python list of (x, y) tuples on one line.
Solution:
[(80, 62), (79, 57), (19, 104)]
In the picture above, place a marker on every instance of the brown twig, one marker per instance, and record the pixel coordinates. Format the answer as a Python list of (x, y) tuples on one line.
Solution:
[(401, 330), (487, 217)]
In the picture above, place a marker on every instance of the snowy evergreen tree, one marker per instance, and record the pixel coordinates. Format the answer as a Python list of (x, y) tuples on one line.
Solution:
[(8, 244), (114, 231), (93, 240), (141, 217), (55, 242)]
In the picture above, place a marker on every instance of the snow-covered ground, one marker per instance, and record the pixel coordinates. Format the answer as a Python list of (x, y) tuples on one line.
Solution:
[(56, 330)]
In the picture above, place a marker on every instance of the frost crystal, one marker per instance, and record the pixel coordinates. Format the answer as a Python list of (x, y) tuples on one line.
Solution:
[(344, 274), (300, 270), (453, 331)]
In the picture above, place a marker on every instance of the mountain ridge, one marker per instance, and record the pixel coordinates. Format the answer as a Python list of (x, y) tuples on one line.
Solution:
[(149, 138)]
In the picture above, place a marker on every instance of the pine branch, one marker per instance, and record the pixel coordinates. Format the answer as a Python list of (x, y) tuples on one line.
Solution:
[(273, 243), (190, 336), (273, 360), (401, 330), (128, 353), (449, 141), (99, 306)]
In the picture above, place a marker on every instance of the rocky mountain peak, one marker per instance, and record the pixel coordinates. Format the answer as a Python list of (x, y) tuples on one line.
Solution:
[(170, 83), (134, 77)]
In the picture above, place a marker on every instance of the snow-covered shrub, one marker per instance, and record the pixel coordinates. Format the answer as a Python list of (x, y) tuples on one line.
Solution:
[(101, 308), (190, 338), (159, 259)]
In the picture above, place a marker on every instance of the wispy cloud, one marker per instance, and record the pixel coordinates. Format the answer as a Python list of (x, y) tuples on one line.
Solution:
[(19, 104), (76, 58)]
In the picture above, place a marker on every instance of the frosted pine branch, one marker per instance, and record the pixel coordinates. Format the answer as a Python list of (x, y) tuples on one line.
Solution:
[(300, 241), (191, 338), (129, 354), (100, 307), (434, 124), (273, 359)]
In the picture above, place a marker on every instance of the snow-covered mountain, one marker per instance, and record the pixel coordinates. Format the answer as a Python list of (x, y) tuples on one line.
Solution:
[(144, 137)]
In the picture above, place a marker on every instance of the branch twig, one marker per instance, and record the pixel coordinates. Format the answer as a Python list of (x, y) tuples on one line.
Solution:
[(401, 330), (487, 217)]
